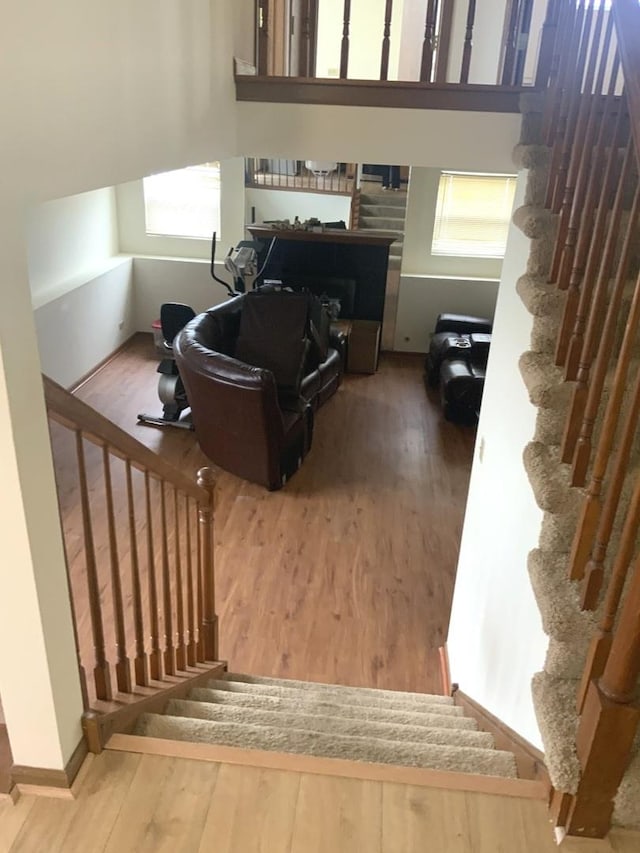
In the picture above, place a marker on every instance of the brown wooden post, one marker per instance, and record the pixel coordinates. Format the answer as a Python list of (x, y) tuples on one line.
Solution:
[(169, 638), (181, 649), (123, 667), (386, 43), (101, 671), (263, 37), (443, 39), (192, 646), (207, 481), (156, 662), (428, 45), (141, 662), (545, 67), (510, 43), (344, 48), (468, 42)]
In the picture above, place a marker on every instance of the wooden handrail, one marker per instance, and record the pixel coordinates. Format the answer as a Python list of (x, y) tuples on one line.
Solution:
[(72, 412)]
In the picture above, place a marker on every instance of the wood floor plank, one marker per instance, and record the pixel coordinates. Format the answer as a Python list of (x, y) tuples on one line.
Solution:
[(252, 811), (508, 826), (12, 820), (411, 816), (99, 801), (358, 551), (166, 807), (624, 841), (340, 815)]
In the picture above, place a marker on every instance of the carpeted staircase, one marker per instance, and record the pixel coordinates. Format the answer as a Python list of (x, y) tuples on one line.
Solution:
[(384, 212), (568, 627), (360, 724)]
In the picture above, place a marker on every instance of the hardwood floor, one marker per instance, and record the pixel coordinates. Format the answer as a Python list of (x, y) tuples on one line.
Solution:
[(346, 574), (128, 803)]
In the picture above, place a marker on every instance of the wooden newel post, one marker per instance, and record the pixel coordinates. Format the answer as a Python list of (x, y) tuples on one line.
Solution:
[(209, 628), (608, 724)]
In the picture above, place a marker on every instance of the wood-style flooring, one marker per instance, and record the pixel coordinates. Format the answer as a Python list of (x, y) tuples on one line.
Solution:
[(345, 575), (130, 803)]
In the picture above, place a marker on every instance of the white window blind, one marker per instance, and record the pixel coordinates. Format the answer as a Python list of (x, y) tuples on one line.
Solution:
[(472, 214), (184, 203)]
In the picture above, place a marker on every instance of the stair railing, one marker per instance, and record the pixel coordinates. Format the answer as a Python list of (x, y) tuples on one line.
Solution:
[(592, 122), (138, 536), (436, 41)]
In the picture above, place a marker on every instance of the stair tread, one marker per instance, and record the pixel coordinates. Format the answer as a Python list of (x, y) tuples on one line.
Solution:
[(306, 720), (441, 716), (464, 759), (356, 693)]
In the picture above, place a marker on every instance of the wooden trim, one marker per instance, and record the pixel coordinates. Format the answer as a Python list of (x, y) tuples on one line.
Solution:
[(75, 386), (109, 718), (330, 766), (261, 232), (445, 671), (529, 760), (316, 191), (43, 777), (6, 761), (380, 93), (72, 412)]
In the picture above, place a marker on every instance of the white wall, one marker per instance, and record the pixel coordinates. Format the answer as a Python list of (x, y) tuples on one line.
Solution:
[(446, 138), (281, 204), (496, 642), (422, 297)]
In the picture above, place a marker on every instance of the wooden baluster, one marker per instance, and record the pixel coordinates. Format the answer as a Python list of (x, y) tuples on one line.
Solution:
[(524, 32), (207, 481), (123, 666), (344, 48), (593, 301), (591, 523), (577, 157), (169, 638), (577, 259), (548, 56), (609, 723), (200, 593), (192, 646), (443, 40), (583, 282), (386, 42), (74, 619), (510, 43), (606, 517), (181, 650), (428, 45), (101, 671), (574, 97), (556, 115), (582, 452), (468, 42), (263, 37), (156, 661), (141, 661)]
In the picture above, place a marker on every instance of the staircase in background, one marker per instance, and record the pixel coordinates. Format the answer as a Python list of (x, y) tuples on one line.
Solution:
[(384, 212)]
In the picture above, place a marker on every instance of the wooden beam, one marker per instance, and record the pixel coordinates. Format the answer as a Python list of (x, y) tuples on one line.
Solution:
[(380, 93)]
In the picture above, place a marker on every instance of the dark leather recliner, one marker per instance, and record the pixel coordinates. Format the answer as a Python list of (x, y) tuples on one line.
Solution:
[(243, 420)]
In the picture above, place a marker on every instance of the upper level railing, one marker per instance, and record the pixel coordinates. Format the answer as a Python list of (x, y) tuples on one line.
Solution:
[(592, 122), (451, 41), (138, 537)]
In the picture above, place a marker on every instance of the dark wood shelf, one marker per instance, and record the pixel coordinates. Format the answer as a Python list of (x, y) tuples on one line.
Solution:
[(329, 235)]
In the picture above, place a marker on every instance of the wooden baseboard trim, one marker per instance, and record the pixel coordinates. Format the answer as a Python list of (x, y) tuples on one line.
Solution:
[(43, 777), (109, 718), (11, 796), (530, 761), (75, 386), (290, 762)]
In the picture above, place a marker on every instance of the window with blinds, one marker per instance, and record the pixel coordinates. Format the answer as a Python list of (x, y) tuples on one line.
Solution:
[(184, 203), (473, 212)]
